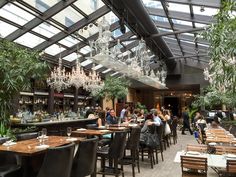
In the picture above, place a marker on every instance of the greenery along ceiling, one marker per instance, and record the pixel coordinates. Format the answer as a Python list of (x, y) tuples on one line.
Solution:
[(45, 25)]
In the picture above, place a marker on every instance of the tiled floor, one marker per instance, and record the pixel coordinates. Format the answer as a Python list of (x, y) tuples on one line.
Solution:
[(168, 168)]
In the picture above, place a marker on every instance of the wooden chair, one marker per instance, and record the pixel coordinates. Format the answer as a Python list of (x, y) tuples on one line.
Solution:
[(230, 169), (193, 165), (225, 149), (199, 148)]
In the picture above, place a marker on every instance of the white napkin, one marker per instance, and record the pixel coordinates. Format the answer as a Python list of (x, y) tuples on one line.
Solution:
[(9, 143)]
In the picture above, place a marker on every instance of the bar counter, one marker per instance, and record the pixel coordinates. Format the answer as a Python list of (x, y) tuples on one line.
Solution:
[(58, 127)]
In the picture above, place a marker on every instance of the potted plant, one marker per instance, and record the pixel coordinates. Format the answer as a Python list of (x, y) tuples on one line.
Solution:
[(221, 35), (17, 67), (114, 88)]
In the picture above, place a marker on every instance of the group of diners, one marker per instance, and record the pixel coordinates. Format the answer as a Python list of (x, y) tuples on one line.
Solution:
[(79, 156)]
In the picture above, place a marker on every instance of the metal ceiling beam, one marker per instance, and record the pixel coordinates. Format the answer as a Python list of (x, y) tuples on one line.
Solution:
[(3, 3), (187, 56), (163, 3), (181, 16), (189, 30), (73, 28), (37, 21), (206, 3), (167, 25)]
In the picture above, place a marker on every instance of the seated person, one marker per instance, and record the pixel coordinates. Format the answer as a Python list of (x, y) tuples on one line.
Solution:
[(112, 119), (101, 118), (201, 122)]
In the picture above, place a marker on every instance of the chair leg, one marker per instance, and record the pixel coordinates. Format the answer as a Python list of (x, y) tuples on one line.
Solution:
[(142, 153), (156, 156), (150, 153), (116, 168), (103, 166), (137, 157)]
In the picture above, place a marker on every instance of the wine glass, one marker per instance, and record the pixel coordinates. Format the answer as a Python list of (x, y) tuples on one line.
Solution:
[(40, 138), (69, 131), (44, 134)]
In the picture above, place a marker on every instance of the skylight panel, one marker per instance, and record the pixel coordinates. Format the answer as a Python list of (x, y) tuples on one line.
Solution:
[(29, 40), (42, 5), (15, 14), (69, 41), (86, 62), (54, 49), (68, 16), (73, 56), (207, 11), (152, 4), (85, 50), (165, 29), (189, 42), (182, 22), (6, 29), (46, 29), (110, 17), (159, 18), (114, 73), (178, 7), (97, 67), (106, 71), (89, 7), (203, 45), (200, 25)]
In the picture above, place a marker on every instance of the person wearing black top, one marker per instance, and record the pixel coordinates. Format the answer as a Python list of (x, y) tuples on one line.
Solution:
[(185, 117)]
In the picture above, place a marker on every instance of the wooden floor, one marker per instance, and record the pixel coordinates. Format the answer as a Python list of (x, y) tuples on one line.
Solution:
[(167, 168)]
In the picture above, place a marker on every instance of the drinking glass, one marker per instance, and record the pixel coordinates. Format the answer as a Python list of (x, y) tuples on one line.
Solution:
[(44, 132), (40, 138), (69, 131)]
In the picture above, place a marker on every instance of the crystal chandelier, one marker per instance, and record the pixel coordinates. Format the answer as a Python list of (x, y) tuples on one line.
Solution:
[(93, 82), (78, 76), (136, 67), (59, 79)]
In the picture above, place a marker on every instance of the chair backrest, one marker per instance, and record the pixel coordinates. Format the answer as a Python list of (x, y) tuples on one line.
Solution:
[(85, 158), (133, 141), (198, 147), (117, 147), (26, 136), (231, 166), (202, 126), (174, 126), (225, 149), (160, 131), (57, 161), (194, 163)]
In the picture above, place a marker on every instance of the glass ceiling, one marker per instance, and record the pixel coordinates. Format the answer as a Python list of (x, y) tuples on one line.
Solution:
[(61, 28)]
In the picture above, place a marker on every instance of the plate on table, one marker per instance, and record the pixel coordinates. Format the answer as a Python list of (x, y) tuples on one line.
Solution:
[(104, 130), (193, 153), (230, 156), (81, 129), (43, 146), (212, 144), (102, 127), (71, 139), (210, 137), (133, 125)]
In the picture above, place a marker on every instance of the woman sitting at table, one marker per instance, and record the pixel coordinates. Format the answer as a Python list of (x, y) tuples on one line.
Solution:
[(101, 118)]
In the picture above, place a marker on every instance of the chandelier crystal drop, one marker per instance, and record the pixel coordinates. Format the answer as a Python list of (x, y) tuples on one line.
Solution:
[(78, 76), (59, 78)]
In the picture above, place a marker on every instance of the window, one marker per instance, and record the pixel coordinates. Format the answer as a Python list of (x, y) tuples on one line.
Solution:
[(40, 5), (94, 4), (68, 22)]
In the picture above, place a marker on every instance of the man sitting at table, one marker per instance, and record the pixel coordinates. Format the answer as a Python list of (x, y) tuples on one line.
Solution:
[(112, 119)]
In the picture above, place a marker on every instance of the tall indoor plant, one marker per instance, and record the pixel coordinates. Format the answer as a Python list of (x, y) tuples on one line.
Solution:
[(221, 35), (114, 88), (17, 67)]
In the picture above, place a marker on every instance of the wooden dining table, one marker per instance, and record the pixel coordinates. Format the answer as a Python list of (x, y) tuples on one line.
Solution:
[(32, 153), (90, 132), (31, 147)]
